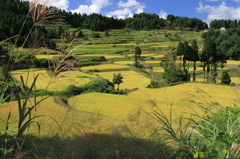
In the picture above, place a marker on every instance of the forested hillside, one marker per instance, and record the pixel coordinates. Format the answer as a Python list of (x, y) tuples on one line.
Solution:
[(14, 12)]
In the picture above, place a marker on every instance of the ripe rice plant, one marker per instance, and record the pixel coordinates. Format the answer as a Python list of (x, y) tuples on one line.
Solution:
[(105, 67), (131, 79), (58, 83)]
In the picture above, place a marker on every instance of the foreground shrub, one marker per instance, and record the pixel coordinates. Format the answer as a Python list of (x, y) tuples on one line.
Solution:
[(213, 135)]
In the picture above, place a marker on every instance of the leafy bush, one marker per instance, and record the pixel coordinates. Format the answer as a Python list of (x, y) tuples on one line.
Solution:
[(94, 58), (95, 35), (154, 84), (90, 63), (43, 62), (173, 76), (225, 77)]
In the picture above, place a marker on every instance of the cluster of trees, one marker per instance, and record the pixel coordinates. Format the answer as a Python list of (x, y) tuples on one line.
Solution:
[(212, 56), (14, 12), (12, 15), (142, 21), (219, 23)]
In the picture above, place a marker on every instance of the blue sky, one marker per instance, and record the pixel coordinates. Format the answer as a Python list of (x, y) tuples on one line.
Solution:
[(206, 10)]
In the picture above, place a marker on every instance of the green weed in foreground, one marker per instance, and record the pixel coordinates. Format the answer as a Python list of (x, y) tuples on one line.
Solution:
[(215, 134)]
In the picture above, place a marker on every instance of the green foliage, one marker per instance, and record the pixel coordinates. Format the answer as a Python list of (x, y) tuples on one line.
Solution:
[(154, 84), (88, 63), (95, 35), (85, 37), (52, 45), (173, 73), (41, 63), (215, 135), (80, 34), (106, 34), (180, 49), (117, 79), (95, 85), (13, 142), (137, 55), (174, 76), (93, 58), (226, 79)]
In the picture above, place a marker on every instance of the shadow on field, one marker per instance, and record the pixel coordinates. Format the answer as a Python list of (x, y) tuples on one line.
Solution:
[(98, 146)]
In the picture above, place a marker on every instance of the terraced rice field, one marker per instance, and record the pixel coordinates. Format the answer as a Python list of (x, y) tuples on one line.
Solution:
[(182, 97), (106, 56), (232, 62), (46, 56), (158, 69), (158, 56), (235, 80), (105, 67), (130, 55), (155, 62), (131, 79), (124, 62), (58, 83)]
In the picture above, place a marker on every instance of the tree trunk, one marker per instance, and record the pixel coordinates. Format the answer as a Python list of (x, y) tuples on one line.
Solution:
[(194, 69), (204, 70), (118, 88), (208, 70)]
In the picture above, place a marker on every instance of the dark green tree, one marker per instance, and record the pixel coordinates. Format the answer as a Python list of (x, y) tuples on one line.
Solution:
[(137, 55), (180, 49), (225, 77), (194, 57), (209, 57), (80, 34), (106, 34), (173, 73), (117, 79), (52, 45), (186, 54)]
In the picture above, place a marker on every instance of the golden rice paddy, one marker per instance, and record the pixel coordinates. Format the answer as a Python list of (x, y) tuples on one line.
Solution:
[(232, 62), (235, 80), (130, 55), (153, 61), (158, 56), (103, 67), (131, 79), (182, 97), (44, 81), (46, 56), (158, 69), (124, 62), (159, 46), (106, 56)]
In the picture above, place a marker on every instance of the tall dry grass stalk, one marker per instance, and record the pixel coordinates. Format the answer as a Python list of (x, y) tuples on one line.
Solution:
[(42, 14)]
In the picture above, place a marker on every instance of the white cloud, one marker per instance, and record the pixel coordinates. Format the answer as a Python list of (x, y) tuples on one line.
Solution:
[(130, 16), (133, 4), (83, 9), (219, 12), (95, 7), (163, 14), (101, 2), (125, 11), (62, 4), (139, 10), (121, 17)]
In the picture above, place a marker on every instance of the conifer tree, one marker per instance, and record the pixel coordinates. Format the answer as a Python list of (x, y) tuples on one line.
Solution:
[(194, 57)]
